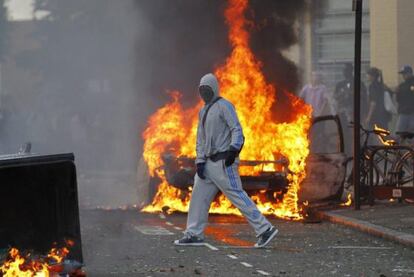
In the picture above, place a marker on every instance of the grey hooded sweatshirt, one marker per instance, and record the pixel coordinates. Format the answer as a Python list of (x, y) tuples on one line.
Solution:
[(222, 128)]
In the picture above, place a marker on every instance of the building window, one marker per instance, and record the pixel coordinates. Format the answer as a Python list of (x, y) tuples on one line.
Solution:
[(333, 39)]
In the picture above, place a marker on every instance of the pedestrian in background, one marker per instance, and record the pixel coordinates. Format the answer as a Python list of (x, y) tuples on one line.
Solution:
[(377, 113), (405, 100), (344, 106), (316, 94)]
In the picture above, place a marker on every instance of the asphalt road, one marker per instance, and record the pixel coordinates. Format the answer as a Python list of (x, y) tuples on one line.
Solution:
[(129, 243)]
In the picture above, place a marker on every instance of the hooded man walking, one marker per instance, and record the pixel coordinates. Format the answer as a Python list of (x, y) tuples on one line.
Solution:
[(219, 141)]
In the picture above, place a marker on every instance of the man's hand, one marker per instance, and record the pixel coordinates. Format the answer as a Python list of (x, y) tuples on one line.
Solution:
[(231, 156), (200, 170)]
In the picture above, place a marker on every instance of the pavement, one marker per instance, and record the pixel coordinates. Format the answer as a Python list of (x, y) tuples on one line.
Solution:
[(390, 220), (130, 243)]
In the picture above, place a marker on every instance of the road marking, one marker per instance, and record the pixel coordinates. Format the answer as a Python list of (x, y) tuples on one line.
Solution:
[(403, 270), (211, 246), (153, 230), (238, 247), (263, 272), (360, 247), (158, 230), (246, 264)]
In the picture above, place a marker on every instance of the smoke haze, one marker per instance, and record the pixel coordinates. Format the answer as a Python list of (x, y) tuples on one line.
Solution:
[(275, 30), (86, 77)]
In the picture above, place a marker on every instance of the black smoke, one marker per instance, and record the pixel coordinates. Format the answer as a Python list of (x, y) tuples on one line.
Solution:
[(184, 40), (275, 27)]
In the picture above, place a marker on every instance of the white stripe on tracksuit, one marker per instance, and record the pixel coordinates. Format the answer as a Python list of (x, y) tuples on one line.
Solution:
[(227, 180)]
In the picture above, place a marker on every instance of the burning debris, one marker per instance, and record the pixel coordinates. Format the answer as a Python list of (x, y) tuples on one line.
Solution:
[(53, 264), (382, 136), (348, 201), (172, 129)]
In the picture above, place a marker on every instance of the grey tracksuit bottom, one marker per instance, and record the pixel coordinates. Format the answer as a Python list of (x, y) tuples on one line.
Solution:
[(227, 180)]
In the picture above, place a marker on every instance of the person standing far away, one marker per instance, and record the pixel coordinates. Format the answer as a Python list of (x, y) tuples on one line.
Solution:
[(219, 141), (316, 95), (377, 114), (343, 96), (405, 100)]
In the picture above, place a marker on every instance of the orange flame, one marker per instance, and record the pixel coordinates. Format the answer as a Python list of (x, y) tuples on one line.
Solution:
[(348, 201), (18, 265), (382, 133), (173, 128)]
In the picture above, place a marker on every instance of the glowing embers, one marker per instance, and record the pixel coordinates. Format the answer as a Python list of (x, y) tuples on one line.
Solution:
[(172, 129)]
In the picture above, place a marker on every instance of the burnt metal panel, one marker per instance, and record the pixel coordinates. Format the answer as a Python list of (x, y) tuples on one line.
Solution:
[(39, 202), (180, 174), (325, 176), (335, 118)]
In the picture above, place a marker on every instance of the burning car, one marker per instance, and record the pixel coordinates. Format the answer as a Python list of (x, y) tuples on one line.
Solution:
[(325, 170), (275, 152)]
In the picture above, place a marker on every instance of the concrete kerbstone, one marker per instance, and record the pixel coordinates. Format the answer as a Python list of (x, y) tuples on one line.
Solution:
[(372, 229)]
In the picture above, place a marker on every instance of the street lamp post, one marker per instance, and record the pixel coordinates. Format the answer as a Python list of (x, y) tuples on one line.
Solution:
[(357, 7)]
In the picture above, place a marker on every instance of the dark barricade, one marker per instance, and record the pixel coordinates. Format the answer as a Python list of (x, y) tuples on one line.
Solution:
[(39, 203)]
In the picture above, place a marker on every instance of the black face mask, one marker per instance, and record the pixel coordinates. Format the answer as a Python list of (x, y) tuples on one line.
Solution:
[(206, 93)]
